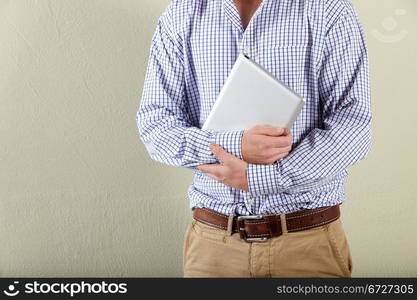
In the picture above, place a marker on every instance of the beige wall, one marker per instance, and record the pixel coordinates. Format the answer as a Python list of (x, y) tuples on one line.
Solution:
[(79, 195)]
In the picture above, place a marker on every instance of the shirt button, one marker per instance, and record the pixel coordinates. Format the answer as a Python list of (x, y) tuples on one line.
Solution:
[(251, 201)]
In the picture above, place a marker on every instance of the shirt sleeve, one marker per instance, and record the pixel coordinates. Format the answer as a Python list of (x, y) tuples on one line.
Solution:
[(345, 136), (163, 121)]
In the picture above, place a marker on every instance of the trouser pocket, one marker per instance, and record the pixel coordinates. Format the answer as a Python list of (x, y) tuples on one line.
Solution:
[(186, 242), (340, 246)]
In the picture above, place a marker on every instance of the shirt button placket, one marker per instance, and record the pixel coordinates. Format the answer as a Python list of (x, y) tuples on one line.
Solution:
[(247, 199)]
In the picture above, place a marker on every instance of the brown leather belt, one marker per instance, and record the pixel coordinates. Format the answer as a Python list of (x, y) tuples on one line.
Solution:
[(258, 228)]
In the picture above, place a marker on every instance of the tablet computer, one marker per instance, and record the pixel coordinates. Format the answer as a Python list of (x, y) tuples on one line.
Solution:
[(253, 96)]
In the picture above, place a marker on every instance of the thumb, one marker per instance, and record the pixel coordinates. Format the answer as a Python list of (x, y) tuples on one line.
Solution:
[(220, 153), (268, 130)]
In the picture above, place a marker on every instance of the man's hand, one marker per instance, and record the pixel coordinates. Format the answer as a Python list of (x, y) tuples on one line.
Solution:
[(231, 171), (265, 144)]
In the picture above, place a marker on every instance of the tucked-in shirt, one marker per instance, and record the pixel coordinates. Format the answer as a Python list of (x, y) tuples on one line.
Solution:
[(316, 47)]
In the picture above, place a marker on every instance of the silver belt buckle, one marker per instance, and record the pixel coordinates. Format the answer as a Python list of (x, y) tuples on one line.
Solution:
[(240, 221)]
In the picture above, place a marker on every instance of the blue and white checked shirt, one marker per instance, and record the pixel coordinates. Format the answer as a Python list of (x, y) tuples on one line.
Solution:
[(316, 47)]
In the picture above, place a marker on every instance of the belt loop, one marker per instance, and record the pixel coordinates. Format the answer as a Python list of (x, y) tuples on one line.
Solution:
[(229, 225), (283, 224)]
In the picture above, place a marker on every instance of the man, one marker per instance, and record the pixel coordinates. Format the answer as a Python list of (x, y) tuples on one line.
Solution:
[(265, 202)]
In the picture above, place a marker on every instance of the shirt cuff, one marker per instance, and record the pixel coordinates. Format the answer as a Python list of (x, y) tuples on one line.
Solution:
[(229, 141), (263, 179)]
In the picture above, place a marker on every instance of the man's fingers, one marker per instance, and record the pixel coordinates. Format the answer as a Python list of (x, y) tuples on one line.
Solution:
[(281, 155), (278, 141), (212, 170), (209, 168), (220, 153), (277, 151), (268, 130)]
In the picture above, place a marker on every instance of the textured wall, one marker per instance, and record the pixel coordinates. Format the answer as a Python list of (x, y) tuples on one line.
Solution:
[(79, 195)]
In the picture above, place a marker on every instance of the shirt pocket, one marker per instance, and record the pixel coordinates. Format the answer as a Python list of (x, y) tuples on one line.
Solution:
[(287, 62)]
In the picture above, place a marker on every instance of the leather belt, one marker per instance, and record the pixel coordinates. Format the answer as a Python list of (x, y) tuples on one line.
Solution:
[(258, 228)]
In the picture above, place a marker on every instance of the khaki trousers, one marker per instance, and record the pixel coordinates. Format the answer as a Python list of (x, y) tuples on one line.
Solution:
[(317, 252)]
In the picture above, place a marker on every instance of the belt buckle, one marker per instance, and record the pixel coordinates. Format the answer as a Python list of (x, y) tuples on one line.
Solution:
[(241, 228)]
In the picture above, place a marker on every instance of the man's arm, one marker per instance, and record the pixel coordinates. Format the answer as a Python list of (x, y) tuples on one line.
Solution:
[(163, 123), (346, 135)]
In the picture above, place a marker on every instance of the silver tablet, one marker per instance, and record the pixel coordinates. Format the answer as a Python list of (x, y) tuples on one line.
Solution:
[(253, 96)]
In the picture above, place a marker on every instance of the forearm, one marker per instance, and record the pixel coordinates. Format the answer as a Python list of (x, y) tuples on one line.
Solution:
[(177, 143), (319, 157)]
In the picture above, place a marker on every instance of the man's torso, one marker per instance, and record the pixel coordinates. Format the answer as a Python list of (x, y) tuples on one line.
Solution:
[(287, 38)]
